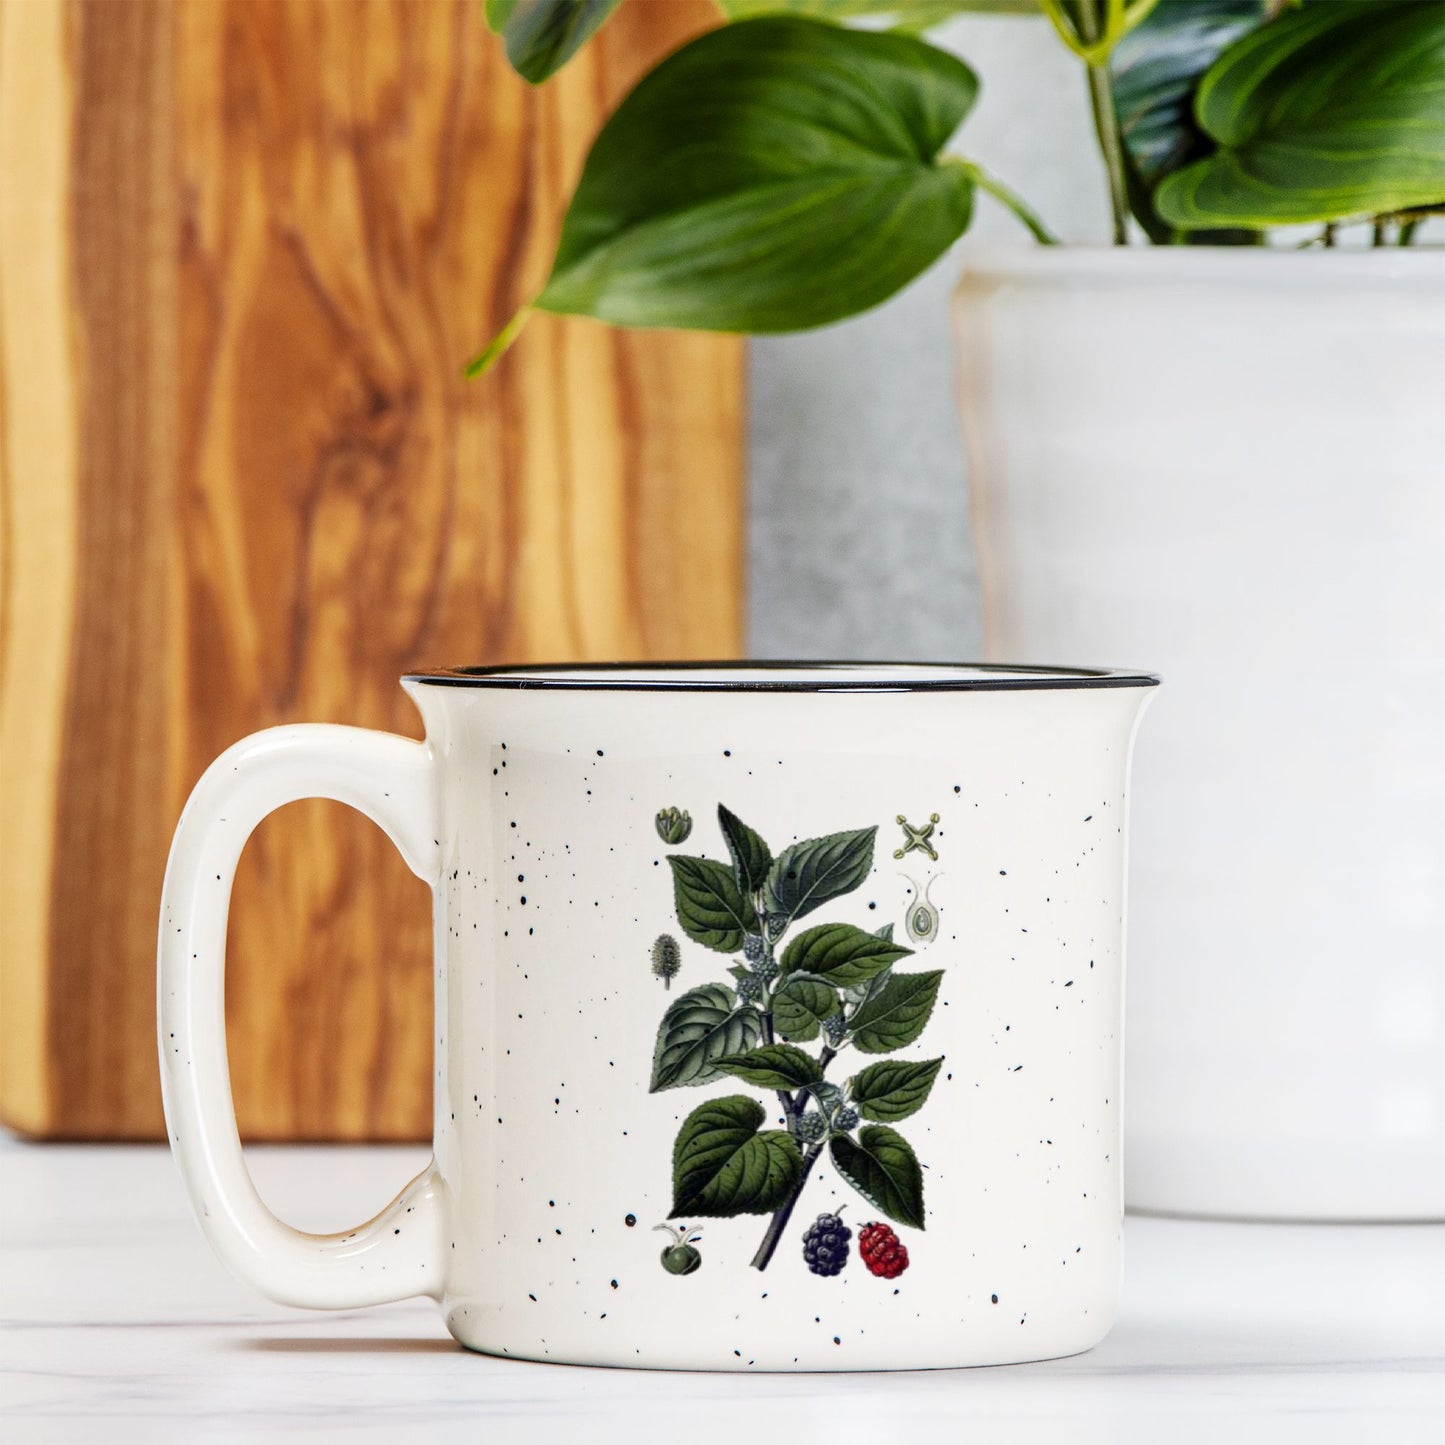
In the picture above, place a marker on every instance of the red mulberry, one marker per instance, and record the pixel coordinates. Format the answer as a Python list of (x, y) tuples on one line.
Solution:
[(882, 1252)]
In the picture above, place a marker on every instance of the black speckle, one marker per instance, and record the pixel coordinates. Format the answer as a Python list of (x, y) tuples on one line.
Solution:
[(630, 1220), (614, 1284), (994, 1298)]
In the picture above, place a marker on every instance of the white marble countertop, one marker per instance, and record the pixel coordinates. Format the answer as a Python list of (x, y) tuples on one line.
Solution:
[(117, 1325)]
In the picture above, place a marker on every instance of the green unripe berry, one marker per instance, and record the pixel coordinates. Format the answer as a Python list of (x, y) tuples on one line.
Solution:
[(811, 1128), (680, 1259)]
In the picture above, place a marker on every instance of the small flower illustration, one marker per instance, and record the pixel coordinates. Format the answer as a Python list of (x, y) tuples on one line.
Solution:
[(674, 825), (666, 959)]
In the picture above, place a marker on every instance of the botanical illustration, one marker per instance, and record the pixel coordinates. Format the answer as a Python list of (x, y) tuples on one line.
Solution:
[(829, 985)]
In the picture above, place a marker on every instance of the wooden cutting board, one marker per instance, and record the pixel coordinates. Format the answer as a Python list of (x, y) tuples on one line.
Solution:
[(245, 249)]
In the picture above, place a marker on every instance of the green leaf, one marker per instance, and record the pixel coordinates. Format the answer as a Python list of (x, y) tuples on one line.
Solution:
[(841, 954), (772, 175), (774, 1066), (751, 856), (1328, 112), (893, 1089), (710, 908), (722, 1166), (894, 1017), (1153, 73), (699, 1028), (860, 992), (801, 1004), (808, 874), (883, 1168), (541, 36)]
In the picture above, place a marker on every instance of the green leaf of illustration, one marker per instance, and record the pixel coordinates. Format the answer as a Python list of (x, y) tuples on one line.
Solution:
[(801, 1004), (840, 953), (722, 1166), (710, 907), (893, 1089), (883, 1168), (751, 856), (1327, 112), (541, 36), (699, 1028), (775, 174), (774, 1066), (829, 1096), (808, 874), (860, 992), (895, 1016)]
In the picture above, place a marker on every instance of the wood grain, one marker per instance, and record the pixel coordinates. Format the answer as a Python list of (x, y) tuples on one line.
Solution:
[(237, 283)]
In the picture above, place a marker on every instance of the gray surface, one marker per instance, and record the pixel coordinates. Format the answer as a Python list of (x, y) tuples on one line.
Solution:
[(859, 538)]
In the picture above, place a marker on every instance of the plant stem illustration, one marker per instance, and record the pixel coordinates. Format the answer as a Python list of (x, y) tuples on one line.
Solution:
[(832, 984)]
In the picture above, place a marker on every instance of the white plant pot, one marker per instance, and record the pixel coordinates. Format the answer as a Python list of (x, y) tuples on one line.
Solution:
[(1226, 465)]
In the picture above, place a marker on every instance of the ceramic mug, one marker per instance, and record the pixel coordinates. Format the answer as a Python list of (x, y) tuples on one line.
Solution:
[(778, 1011)]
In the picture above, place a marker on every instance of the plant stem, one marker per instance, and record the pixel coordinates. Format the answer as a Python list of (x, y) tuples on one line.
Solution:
[(1096, 38), (1111, 146), (1329, 234), (1000, 192), (1377, 233), (499, 343), (1406, 234), (779, 1221), (791, 1108)]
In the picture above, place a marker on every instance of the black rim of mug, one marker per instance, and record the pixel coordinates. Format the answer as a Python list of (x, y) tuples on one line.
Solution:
[(741, 676)]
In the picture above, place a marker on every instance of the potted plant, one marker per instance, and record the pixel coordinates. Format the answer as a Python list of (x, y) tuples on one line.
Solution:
[(1216, 453)]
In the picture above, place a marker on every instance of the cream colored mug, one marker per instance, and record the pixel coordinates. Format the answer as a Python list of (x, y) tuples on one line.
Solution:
[(778, 1011)]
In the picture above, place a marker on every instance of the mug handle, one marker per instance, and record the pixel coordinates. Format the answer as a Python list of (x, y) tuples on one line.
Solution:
[(389, 778)]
